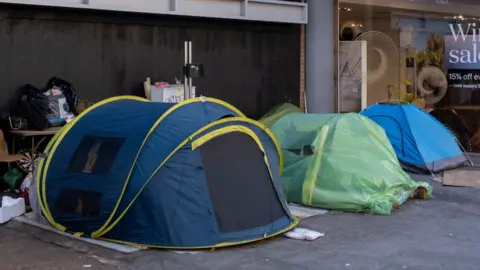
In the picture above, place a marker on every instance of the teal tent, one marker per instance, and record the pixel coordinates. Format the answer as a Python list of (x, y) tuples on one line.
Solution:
[(341, 162)]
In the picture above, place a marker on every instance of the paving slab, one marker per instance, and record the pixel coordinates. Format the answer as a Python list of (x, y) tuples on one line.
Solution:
[(21, 250)]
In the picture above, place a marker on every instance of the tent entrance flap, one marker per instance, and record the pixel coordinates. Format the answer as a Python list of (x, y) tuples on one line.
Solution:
[(242, 193)]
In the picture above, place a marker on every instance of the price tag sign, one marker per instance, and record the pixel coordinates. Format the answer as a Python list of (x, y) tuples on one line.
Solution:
[(464, 79)]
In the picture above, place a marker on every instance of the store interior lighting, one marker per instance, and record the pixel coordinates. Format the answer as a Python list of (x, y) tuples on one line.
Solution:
[(344, 9), (463, 19)]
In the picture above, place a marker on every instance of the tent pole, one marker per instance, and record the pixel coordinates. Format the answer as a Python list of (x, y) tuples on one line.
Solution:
[(463, 148), (464, 151)]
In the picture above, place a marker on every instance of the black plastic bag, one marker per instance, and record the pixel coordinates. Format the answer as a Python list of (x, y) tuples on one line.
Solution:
[(33, 106), (68, 91)]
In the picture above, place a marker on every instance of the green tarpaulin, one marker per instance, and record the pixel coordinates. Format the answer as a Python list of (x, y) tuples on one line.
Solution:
[(278, 112), (341, 162)]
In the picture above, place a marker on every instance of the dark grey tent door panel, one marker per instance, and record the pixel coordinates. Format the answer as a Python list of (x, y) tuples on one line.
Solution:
[(242, 193)]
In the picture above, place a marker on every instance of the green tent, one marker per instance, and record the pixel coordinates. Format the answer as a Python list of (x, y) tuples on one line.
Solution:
[(341, 162), (278, 112)]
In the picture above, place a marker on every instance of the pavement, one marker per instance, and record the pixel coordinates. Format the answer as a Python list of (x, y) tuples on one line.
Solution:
[(440, 233)]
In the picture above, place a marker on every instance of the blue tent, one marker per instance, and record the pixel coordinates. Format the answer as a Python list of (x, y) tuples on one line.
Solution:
[(196, 174), (421, 142)]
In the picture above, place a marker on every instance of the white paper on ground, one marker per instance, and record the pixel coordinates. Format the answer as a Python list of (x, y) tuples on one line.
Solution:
[(303, 234)]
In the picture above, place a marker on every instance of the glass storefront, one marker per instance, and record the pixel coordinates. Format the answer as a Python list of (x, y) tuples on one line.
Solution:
[(421, 52)]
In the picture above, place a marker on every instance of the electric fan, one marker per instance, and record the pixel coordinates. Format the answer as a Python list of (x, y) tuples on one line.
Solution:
[(377, 43), (432, 83)]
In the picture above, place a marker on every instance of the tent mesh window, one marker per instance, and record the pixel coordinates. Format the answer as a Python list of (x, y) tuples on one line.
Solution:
[(79, 202), (95, 155), (241, 190)]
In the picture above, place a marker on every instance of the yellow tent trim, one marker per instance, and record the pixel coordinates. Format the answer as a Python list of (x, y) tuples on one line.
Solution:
[(219, 122), (40, 169), (38, 176), (226, 244), (99, 232), (219, 132), (61, 135), (264, 128), (309, 185)]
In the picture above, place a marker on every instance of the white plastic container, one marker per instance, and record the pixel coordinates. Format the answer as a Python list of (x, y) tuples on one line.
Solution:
[(171, 94), (11, 208)]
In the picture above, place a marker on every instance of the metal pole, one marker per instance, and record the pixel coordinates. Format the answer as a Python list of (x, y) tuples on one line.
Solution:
[(185, 84), (190, 60)]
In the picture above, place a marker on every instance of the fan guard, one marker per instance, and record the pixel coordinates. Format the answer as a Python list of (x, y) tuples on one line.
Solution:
[(377, 42), (432, 83)]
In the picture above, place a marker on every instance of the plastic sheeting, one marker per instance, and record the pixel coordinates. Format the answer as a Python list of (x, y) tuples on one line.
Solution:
[(278, 112), (341, 162)]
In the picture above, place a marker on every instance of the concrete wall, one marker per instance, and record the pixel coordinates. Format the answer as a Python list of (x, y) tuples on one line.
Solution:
[(251, 65)]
